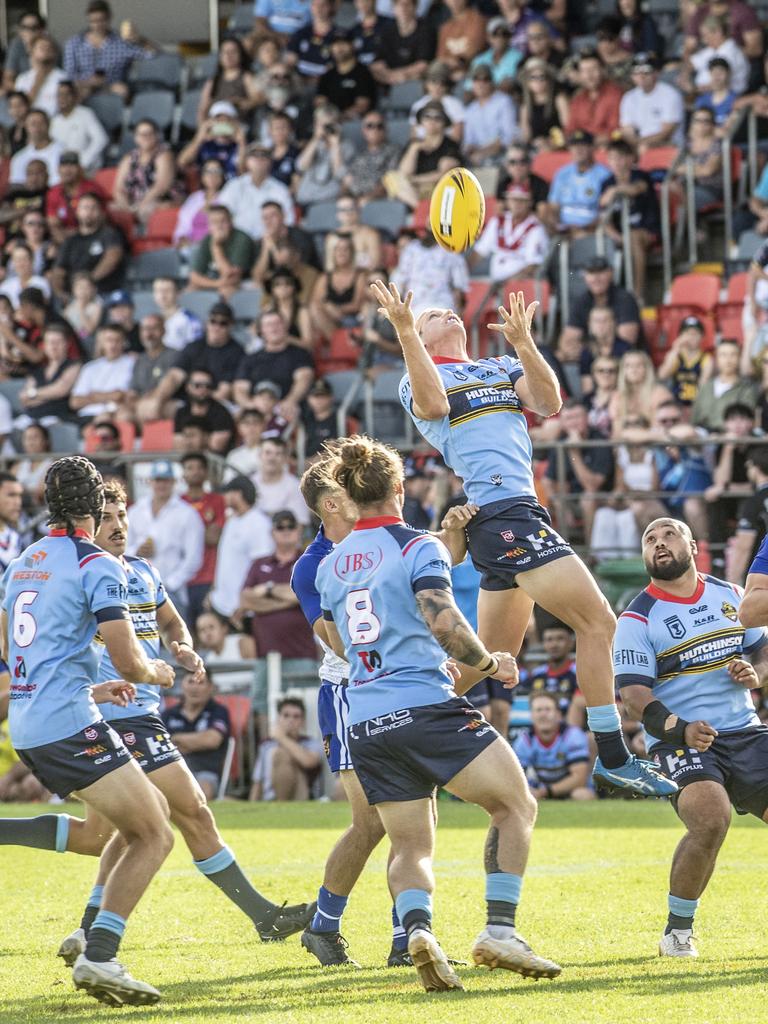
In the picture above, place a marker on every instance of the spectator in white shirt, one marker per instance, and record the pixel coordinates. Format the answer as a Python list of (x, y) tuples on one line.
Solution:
[(245, 195), (168, 531), (181, 326), (102, 385), (437, 86), (278, 488), (247, 535), (220, 646), (41, 81), (514, 239), (22, 275), (39, 146), (652, 113), (436, 277), (715, 42), (491, 120), (245, 459), (77, 129)]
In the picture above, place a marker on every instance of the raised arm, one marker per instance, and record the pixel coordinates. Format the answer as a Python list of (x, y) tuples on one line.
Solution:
[(430, 401), (538, 388)]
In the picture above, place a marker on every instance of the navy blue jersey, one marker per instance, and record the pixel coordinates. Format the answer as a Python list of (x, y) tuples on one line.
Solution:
[(55, 595), (367, 586), (560, 682), (213, 716), (680, 648), (333, 669)]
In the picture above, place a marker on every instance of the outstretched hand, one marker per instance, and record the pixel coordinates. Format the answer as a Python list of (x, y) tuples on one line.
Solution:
[(398, 311), (516, 323), (189, 659)]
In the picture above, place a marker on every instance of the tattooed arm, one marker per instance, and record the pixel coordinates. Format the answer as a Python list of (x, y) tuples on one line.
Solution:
[(457, 638)]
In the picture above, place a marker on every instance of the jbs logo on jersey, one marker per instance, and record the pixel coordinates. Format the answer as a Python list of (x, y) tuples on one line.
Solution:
[(675, 627), (360, 565)]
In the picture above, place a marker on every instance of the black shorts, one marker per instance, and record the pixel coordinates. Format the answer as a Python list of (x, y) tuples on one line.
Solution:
[(486, 690), (404, 755), (738, 761), (509, 537), (147, 741), (78, 761)]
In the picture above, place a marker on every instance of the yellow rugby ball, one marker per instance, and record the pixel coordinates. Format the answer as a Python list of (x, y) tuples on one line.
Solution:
[(457, 210)]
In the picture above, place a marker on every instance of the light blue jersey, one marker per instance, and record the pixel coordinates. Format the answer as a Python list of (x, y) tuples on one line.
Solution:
[(681, 648), (367, 586), (55, 594), (492, 456), (577, 193), (547, 763), (146, 594)]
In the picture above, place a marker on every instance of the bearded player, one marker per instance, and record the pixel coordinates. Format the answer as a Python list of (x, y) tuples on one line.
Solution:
[(472, 412)]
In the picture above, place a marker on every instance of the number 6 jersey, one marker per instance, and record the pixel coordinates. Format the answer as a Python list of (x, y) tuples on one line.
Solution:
[(55, 594), (367, 586)]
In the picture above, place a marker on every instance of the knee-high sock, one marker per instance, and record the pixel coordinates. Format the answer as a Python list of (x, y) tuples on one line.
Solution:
[(223, 870), (46, 832)]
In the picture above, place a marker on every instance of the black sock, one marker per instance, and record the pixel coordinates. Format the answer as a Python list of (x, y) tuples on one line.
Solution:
[(40, 832), (680, 924), (89, 915), (501, 912), (417, 919), (611, 748), (102, 945), (236, 886)]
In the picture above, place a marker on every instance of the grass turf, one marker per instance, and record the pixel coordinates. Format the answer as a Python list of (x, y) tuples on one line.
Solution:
[(594, 899)]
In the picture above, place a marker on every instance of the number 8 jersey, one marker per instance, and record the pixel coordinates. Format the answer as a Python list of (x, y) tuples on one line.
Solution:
[(55, 594), (367, 586)]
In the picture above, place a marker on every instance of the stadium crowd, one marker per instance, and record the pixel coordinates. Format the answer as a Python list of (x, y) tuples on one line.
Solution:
[(184, 296)]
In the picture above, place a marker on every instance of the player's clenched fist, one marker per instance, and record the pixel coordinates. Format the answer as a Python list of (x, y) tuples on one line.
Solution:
[(507, 672), (162, 673), (700, 736)]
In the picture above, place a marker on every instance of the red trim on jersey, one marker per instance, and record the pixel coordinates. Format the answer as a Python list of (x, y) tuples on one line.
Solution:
[(373, 521), (663, 595), (634, 615), (90, 558), (443, 360), (554, 673), (415, 540), (61, 532)]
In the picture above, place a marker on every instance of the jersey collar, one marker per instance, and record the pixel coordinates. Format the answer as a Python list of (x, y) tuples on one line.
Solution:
[(61, 532), (374, 521), (663, 595), (442, 360)]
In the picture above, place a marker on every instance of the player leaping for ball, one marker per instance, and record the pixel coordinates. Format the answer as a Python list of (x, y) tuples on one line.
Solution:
[(679, 657), (471, 411)]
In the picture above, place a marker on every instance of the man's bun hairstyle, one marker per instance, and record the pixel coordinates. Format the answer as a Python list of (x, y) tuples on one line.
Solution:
[(368, 470), (74, 490)]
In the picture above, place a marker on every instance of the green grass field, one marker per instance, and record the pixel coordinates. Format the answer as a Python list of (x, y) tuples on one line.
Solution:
[(594, 899)]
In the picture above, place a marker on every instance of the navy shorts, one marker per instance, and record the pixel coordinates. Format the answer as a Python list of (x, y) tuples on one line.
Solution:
[(404, 755), (509, 537), (78, 761), (147, 740), (738, 761), (333, 719)]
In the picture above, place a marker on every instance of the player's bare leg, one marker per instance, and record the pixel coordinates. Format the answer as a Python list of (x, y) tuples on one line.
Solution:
[(495, 781), (410, 826), (705, 810), (343, 867)]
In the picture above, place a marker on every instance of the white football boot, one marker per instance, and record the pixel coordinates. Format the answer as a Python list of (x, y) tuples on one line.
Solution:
[(512, 954), (110, 983), (678, 942), (72, 947), (435, 973)]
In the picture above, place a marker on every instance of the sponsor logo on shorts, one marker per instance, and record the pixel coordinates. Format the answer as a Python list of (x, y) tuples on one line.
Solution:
[(98, 748), (386, 723), (682, 762), (507, 536), (512, 553), (90, 733), (160, 744), (103, 760)]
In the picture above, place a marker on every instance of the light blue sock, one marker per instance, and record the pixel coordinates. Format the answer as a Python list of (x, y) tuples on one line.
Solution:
[(414, 908), (603, 718), (218, 862), (330, 909), (110, 922), (502, 894), (681, 913), (94, 900), (399, 938)]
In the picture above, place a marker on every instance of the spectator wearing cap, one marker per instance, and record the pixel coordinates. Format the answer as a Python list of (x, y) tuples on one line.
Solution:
[(319, 417), (628, 182), (40, 146), (544, 107), (96, 247), (278, 488), (371, 161), (276, 232), (42, 79), (200, 406), (427, 157), (286, 365), (516, 169), (150, 367), (437, 86), (121, 310), (224, 257), (686, 365), (276, 620), (719, 97), (180, 327), (217, 352), (491, 120), (99, 58), (435, 276), (245, 195), (743, 25), (280, 17), (514, 239), (501, 56), (219, 137), (266, 401), (210, 506), (347, 85), (103, 383), (308, 49), (406, 45), (715, 42), (595, 105), (77, 129), (246, 536), (169, 532), (61, 200), (323, 161), (574, 198), (651, 113), (461, 38), (601, 291)]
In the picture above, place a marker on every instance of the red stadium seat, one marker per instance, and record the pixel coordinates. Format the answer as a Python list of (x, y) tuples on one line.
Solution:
[(690, 295), (157, 436), (105, 179), (702, 290), (737, 286), (123, 219), (659, 159), (546, 165), (340, 352), (240, 718), (160, 228), (127, 436), (532, 290), (420, 217)]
